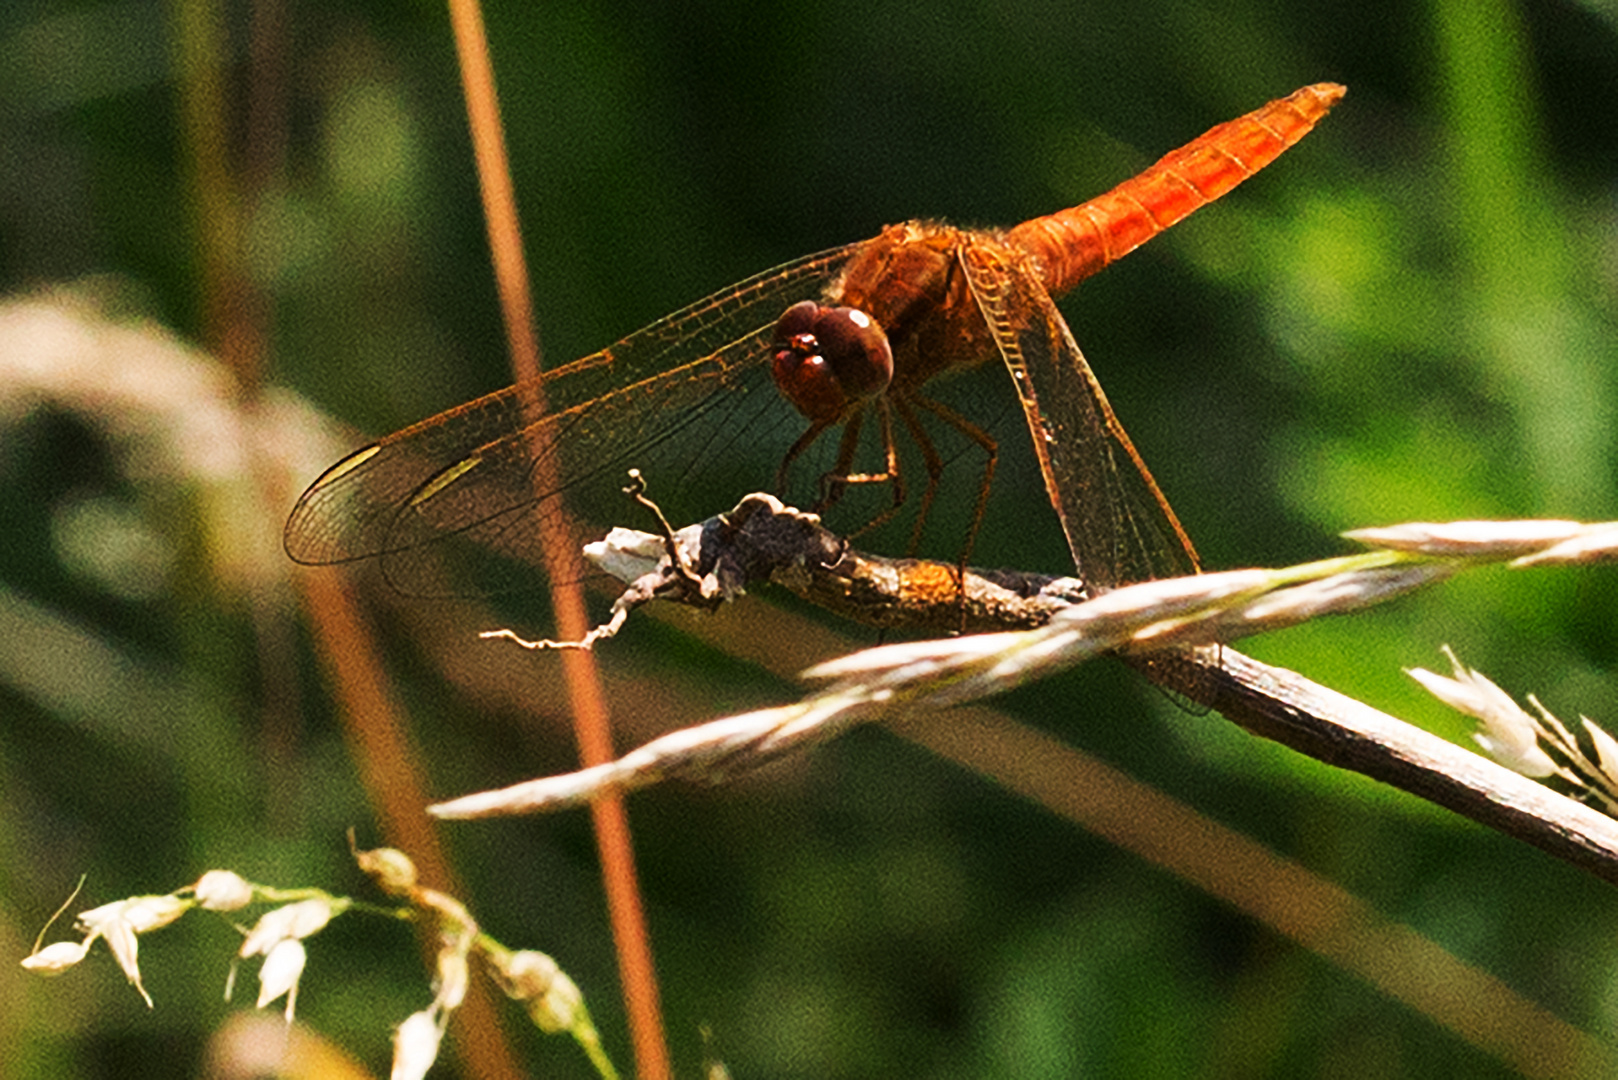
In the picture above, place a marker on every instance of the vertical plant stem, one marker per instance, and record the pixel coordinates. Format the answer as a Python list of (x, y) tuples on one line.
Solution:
[(585, 697), (234, 316), (391, 771)]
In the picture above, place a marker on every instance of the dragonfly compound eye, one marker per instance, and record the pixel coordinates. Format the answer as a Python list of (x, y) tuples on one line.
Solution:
[(826, 358)]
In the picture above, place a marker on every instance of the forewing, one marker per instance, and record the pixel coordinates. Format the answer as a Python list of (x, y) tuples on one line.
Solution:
[(1118, 525), (671, 399)]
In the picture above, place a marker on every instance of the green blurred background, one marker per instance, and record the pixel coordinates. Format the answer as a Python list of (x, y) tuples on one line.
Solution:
[(1406, 317)]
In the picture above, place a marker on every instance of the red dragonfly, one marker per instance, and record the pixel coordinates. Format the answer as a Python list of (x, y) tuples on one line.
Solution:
[(836, 338)]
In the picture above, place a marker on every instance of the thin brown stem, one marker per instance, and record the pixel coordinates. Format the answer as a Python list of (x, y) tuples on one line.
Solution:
[(587, 702), (235, 317), (392, 773)]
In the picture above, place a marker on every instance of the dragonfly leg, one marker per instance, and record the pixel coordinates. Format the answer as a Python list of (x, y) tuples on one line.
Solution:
[(930, 460), (829, 488), (813, 432), (832, 482), (935, 468), (991, 450), (890, 474)]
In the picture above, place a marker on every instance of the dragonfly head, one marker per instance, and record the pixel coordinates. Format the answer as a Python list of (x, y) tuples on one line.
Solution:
[(829, 358)]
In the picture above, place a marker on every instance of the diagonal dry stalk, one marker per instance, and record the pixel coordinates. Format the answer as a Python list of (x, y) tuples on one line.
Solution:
[(1156, 626), (890, 683)]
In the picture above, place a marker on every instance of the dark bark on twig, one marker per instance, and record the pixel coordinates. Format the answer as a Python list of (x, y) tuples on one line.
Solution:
[(1284, 706)]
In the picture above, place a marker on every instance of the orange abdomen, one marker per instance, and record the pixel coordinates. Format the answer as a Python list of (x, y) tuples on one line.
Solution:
[(1073, 244)]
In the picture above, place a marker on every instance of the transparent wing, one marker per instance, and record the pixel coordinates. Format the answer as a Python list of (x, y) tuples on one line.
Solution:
[(676, 400), (1118, 524)]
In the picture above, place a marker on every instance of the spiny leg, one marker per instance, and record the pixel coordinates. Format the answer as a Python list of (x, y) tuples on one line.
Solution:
[(930, 458), (991, 450), (814, 431), (833, 481), (891, 473)]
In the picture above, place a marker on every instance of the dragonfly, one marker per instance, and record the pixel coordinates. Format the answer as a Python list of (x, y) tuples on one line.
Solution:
[(850, 339)]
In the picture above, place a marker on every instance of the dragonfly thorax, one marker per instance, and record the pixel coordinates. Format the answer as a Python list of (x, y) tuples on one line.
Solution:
[(909, 278)]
